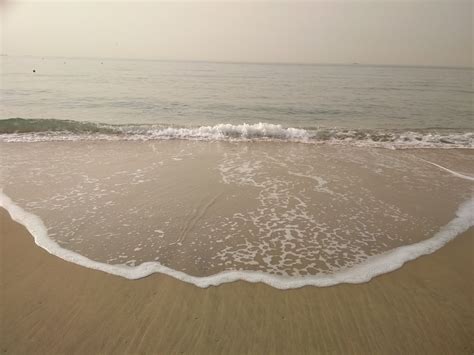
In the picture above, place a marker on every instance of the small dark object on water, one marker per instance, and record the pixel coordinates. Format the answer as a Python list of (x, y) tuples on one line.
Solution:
[(34, 71)]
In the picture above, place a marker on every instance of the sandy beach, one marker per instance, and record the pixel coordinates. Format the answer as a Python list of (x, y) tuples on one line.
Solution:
[(51, 306), (239, 177)]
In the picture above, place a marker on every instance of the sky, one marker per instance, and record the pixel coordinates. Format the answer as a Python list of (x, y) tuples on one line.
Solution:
[(403, 32)]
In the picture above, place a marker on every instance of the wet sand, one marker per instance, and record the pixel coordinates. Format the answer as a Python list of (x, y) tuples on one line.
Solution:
[(51, 306)]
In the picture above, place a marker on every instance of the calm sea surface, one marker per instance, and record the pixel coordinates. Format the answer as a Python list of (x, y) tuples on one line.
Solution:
[(200, 93)]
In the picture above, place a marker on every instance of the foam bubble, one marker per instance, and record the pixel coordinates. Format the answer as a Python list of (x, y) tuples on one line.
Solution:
[(362, 272)]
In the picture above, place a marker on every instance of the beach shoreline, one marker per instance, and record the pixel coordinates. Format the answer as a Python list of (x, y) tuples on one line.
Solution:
[(214, 212), (52, 306)]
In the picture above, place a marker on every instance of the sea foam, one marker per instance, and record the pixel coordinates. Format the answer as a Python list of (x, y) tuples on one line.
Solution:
[(360, 273), (43, 130)]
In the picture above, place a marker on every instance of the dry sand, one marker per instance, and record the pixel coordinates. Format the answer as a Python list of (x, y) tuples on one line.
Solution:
[(51, 306)]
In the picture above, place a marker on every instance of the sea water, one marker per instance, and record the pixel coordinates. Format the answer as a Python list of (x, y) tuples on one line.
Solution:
[(291, 175)]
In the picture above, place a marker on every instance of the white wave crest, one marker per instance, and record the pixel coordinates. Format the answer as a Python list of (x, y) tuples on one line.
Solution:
[(258, 132), (243, 131)]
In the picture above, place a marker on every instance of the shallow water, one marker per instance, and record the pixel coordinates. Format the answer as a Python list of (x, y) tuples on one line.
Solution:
[(206, 207)]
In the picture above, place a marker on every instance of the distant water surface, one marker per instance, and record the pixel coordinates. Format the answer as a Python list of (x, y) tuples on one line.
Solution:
[(202, 93)]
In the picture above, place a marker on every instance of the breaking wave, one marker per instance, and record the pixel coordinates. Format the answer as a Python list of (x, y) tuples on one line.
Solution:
[(40, 130)]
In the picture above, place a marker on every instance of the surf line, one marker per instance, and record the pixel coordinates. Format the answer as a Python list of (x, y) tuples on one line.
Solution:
[(364, 272), (466, 177)]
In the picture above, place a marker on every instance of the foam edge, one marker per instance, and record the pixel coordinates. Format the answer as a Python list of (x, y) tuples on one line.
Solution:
[(364, 272)]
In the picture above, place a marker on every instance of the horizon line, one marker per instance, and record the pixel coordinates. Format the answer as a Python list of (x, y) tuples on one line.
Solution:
[(246, 62)]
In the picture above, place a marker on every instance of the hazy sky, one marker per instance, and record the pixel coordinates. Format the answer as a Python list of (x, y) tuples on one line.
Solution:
[(343, 31)]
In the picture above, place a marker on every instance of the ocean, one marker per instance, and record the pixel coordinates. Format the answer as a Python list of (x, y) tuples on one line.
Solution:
[(291, 175)]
